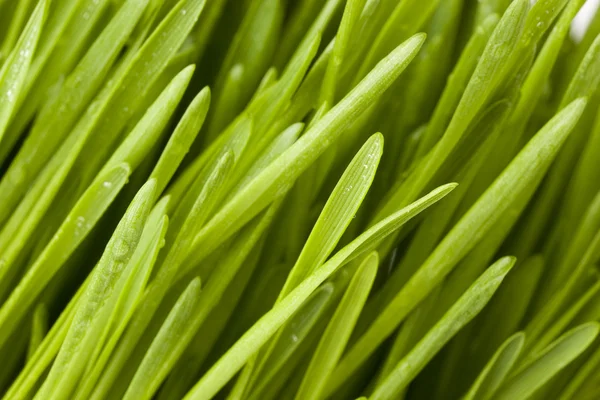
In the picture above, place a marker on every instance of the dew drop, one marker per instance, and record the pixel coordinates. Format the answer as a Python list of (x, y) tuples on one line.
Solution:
[(80, 226), (120, 249)]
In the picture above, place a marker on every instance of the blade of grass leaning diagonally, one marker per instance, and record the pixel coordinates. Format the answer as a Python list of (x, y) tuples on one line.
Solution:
[(143, 385), (165, 275), (554, 358), (90, 314), (128, 294), (14, 70), (132, 150), (150, 145), (253, 339), (337, 214), (338, 330), (301, 154), (496, 370), (461, 312), (526, 169)]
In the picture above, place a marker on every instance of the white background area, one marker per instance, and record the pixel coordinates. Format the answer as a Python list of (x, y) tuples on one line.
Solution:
[(583, 19)]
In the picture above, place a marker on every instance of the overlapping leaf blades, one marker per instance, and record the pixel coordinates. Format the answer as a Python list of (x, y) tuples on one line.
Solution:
[(314, 245)]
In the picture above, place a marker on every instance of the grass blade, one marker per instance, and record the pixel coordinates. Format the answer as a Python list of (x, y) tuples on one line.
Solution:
[(554, 358), (464, 310), (145, 381), (253, 339), (338, 330), (497, 369)]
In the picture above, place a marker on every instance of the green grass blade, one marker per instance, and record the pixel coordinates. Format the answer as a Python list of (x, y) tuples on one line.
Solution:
[(39, 329), (253, 339), (128, 294), (291, 339), (14, 70), (525, 170), (285, 169), (145, 381), (461, 312), (88, 210), (338, 330), (165, 275), (92, 314), (497, 369), (555, 357), (340, 49), (338, 212)]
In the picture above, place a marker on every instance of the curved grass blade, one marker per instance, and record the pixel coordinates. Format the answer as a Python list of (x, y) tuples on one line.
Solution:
[(340, 49), (136, 146), (554, 358), (286, 168), (525, 171), (492, 376), (338, 212), (55, 120), (291, 339), (338, 330), (495, 63), (461, 312), (39, 329), (14, 69), (93, 313), (168, 268), (260, 332), (235, 140), (145, 381), (84, 215), (128, 293), (181, 140)]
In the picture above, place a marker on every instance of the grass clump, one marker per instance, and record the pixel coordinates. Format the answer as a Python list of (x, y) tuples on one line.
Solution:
[(272, 199)]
